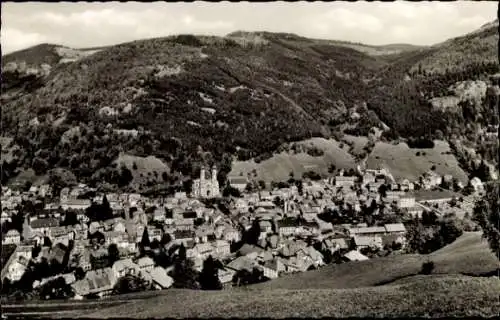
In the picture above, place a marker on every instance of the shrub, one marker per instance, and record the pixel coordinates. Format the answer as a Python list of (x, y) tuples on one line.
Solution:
[(427, 268)]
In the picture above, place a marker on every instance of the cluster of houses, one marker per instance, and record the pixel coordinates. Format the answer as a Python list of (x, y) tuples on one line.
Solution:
[(292, 236)]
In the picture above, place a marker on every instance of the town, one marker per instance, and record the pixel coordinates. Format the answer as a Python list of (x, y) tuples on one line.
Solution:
[(79, 243)]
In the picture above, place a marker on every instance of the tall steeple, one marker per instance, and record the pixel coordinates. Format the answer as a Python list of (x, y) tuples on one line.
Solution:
[(214, 173), (202, 173)]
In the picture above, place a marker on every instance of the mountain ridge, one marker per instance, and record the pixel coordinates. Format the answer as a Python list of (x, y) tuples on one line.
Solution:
[(247, 95)]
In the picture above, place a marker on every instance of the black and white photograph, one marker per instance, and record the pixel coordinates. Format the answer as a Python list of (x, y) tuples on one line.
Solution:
[(247, 160)]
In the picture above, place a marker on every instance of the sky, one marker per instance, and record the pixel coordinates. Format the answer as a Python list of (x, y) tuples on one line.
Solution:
[(81, 25)]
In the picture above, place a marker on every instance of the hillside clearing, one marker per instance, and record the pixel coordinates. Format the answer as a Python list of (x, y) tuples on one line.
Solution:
[(279, 166), (144, 169), (404, 163)]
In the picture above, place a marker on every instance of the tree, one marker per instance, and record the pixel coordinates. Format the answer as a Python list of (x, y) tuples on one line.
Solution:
[(56, 289), (184, 274), (165, 239), (230, 191), (70, 219), (145, 242), (262, 184), (209, 279), (113, 254), (47, 242), (79, 273), (252, 235), (129, 283), (427, 268), (487, 215)]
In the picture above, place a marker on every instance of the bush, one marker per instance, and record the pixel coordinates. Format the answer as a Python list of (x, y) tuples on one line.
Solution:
[(427, 268)]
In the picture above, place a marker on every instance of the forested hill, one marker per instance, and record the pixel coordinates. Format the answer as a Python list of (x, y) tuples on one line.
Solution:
[(192, 99)]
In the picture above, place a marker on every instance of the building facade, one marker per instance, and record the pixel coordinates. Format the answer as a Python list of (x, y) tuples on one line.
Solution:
[(206, 186)]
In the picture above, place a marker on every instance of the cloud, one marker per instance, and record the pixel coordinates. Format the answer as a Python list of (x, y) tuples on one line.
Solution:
[(13, 39), (96, 24)]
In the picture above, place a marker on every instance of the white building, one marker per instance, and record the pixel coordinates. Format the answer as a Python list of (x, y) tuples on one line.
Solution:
[(406, 202), (477, 184), (206, 187)]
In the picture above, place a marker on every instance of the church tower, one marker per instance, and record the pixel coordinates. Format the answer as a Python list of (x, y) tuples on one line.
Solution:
[(215, 183)]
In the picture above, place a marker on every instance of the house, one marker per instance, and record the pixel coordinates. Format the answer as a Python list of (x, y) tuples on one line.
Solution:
[(16, 269), (182, 236), (57, 252), (5, 217), (433, 196), (250, 251), (114, 237), (12, 237), (367, 231), (264, 256), (368, 241), (202, 234), (290, 248), (43, 225), (84, 261), (100, 282), (61, 235), (184, 224), (335, 244), (160, 279), (242, 263), (271, 268), (343, 181), (222, 247), (119, 227), (415, 211), (311, 254), (159, 215), (76, 204), (95, 226), (155, 234), (309, 214), (395, 228), (368, 178), (146, 264), (355, 256), (238, 182), (406, 202), (225, 276), (431, 179), (287, 226), (273, 241), (477, 184), (265, 226)]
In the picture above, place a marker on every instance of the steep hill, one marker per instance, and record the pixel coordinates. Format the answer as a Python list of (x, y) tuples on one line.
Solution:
[(193, 99)]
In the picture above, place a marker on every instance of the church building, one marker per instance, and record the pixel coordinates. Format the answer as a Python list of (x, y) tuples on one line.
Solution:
[(206, 186)]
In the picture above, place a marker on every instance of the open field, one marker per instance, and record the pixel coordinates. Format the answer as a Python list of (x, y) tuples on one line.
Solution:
[(278, 167), (147, 168), (433, 296), (404, 163), (346, 290)]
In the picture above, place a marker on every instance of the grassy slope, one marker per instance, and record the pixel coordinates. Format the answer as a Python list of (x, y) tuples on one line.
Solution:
[(468, 254), (146, 166), (441, 296), (342, 291), (280, 165), (403, 162)]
